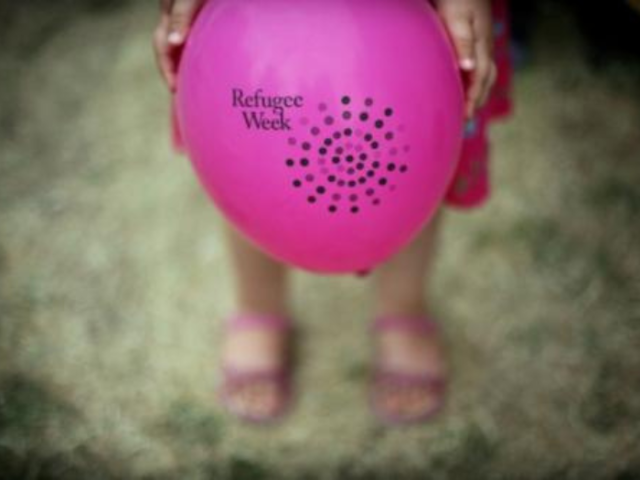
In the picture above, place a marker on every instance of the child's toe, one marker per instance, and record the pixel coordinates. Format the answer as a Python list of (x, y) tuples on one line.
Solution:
[(256, 399), (408, 402)]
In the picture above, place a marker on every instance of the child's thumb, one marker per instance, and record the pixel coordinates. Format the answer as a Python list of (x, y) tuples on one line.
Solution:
[(180, 19)]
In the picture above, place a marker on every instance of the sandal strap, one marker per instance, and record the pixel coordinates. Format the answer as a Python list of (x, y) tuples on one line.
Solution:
[(234, 379), (252, 320), (234, 376), (420, 324)]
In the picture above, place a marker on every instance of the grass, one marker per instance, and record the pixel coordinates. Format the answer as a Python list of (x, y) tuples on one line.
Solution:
[(113, 285)]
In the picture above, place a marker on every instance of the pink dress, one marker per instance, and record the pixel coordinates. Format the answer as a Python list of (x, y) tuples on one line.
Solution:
[(470, 186)]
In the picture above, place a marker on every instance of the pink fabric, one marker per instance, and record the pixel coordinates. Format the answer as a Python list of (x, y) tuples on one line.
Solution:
[(470, 187)]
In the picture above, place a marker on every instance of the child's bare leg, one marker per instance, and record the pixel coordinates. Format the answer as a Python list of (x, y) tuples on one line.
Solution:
[(401, 286), (260, 288), (260, 280)]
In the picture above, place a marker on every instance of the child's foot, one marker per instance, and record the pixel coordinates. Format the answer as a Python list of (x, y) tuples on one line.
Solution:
[(252, 345), (411, 369)]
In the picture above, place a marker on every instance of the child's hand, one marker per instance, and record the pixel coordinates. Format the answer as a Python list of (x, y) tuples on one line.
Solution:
[(470, 25), (170, 34)]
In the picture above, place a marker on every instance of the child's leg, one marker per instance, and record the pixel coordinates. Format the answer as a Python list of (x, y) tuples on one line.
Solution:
[(260, 288), (260, 280), (402, 282), (401, 286)]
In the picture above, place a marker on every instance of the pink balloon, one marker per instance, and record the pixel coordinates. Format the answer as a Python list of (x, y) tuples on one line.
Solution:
[(327, 131)]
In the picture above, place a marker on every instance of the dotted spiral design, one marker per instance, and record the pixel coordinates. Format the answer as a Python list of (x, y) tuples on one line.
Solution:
[(349, 157)]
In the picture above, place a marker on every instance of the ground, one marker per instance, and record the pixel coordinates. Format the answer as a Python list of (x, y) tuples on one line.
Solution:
[(113, 284)]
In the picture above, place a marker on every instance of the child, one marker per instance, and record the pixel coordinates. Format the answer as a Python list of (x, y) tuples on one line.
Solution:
[(408, 385)]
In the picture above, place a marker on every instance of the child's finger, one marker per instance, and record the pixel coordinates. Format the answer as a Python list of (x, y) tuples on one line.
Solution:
[(182, 14), (478, 83), (483, 29), (485, 58), (165, 66), (464, 41), (163, 54), (490, 82)]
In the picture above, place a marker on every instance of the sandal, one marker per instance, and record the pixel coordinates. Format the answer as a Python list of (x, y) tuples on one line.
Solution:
[(234, 378), (393, 378)]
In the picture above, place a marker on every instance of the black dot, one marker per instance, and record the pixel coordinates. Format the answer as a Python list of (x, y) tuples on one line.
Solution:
[(370, 173), (391, 167), (351, 171), (349, 158), (352, 183), (382, 181), (346, 100), (363, 156), (297, 183), (360, 166), (311, 199), (389, 136), (335, 159), (328, 142), (379, 124), (368, 102), (355, 209), (337, 135), (332, 178), (375, 145), (306, 146), (333, 208), (328, 120), (364, 116), (348, 132), (321, 190), (315, 131), (370, 191), (368, 137), (376, 164), (388, 112), (346, 115), (403, 168), (304, 162), (339, 150), (322, 151), (362, 180), (290, 162)]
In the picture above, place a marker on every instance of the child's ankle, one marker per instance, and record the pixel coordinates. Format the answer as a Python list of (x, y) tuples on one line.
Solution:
[(416, 308)]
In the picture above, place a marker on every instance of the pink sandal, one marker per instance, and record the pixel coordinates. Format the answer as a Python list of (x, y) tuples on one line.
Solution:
[(234, 378), (390, 377)]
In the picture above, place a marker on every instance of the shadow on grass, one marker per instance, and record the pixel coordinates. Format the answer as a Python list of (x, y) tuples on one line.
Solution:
[(30, 414), (191, 425), (28, 24), (612, 399)]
